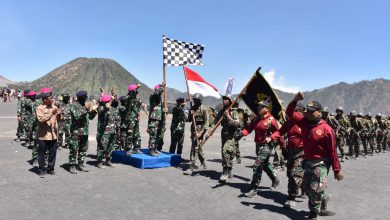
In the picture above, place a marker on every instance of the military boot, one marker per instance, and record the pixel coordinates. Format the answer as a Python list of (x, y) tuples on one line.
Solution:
[(137, 151), (324, 205), (289, 203), (72, 169), (100, 165), (224, 175), (190, 170), (230, 173), (312, 216), (251, 193), (81, 167), (110, 164), (154, 153), (203, 165), (275, 183)]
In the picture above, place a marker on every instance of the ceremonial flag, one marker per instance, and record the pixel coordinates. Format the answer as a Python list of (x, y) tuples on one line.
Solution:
[(180, 53), (229, 86), (259, 90), (196, 84)]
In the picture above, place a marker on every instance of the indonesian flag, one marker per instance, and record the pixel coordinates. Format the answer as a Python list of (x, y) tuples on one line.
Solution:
[(196, 84)]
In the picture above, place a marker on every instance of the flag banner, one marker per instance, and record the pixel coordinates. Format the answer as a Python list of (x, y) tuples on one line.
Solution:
[(229, 86), (259, 90), (180, 53), (196, 84)]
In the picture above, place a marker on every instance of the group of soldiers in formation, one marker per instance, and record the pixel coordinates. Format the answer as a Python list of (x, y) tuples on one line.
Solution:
[(118, 128)]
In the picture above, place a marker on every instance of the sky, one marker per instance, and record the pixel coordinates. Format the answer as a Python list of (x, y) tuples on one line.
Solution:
[(301, 45)]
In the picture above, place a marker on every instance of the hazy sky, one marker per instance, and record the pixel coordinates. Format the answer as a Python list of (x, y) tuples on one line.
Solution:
[(301, 45)]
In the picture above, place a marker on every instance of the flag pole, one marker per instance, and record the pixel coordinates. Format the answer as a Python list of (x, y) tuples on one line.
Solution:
[(212, 130), (189, 98), (165, 80)]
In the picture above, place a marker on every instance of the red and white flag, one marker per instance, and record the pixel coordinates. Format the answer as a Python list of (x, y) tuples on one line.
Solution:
[(196, 84)]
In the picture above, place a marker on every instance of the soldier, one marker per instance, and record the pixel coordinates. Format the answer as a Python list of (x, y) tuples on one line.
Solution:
[(342, 132), (372, 126), (105, 131), (35, 148), (231, 123), (264, 124), (20, 129), (80, 115), (117, 136), (294, 156), (319, 152), (178, 126), (199, 116), (29, 118), (363, 132), (382, 133), (156, 122), (356, 126), (64, 122), (130, 111)]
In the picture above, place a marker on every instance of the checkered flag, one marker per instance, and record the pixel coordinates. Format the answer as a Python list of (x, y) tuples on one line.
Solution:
[(180, 53)]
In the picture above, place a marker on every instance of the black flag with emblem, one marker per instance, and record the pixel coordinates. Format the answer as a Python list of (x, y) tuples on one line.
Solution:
[(259, 90)]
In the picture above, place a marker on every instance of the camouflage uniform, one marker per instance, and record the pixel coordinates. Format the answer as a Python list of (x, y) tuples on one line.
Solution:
[(341, 133), (177, 129), (64, 125), (357, 129), (129, 112), (156, 122), (105, 132), (28, 120), (382, 133), (201, 117), (78, 144), (35, 147), (117, 119), (371, 125), (229, 143), (20, 132)]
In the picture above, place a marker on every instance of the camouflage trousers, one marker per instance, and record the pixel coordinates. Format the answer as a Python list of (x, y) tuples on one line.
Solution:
[(78, 146), (118, 139), (238, 152), (196, 151), (228, 152), (177, 140), (130, 136), (340, 143), (63, 129), (28, 127), (294, 172), (315, 181), (156, 131), (381, 141), (105, 146), (364, 139), (354, 145), (278, 157), (20, 132), (371, 141), (262, 163)]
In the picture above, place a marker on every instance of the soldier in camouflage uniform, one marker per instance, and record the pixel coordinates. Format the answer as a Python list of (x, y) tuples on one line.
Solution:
[(105, 131), (130, 114), (342, 132), (178, 126), (64, 122), (29, 118), (20, 130), (357, 127), (117, 136), (156, 122), (78, 144), (363, 133), (199, 116), (382, 133), (231, 123), (372, 126)]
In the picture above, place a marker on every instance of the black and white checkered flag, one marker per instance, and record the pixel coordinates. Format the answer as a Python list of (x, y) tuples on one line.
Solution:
[(180, 53)]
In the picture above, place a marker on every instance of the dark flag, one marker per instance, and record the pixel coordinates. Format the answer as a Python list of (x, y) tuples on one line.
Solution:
[(259, 90)]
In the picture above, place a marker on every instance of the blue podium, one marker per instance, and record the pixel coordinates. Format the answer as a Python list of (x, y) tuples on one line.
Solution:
[(145, 161)]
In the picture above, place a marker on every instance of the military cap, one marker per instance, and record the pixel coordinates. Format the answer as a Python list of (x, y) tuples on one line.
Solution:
[(313, 106), (26, 91), (198, 96), (81, 93), (326, 109), (339, 109), (369, 114), (228, 97), (180, 100)]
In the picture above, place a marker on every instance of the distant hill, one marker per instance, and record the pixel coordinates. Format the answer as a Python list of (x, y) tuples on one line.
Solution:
[(4, 81), (88, 74)]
